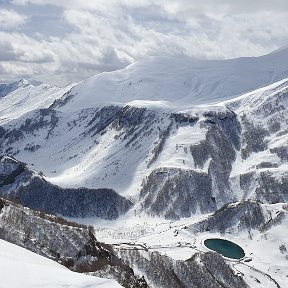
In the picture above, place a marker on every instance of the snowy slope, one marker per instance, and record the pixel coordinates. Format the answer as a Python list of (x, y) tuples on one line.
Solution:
[(22, 268), (179, 81), (6, 88), (23, 96)]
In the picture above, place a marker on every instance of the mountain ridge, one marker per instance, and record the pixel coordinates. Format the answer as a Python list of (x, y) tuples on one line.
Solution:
[(180, 81)]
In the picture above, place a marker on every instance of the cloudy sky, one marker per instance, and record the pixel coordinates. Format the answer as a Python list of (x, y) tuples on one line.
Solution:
[(61, 41)]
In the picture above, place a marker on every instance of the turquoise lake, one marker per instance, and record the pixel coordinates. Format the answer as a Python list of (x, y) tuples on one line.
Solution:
[(224, 247)]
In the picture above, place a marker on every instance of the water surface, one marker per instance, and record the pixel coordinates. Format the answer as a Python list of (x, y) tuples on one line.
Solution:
[(224, 247)]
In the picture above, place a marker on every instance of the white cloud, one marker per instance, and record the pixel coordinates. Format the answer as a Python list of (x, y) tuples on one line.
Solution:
[(19, 47), (108, 34), (187, 7), (87, 5), (10, 19)]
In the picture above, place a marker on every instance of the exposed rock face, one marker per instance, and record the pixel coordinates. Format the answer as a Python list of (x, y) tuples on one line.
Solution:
[(20, 184)]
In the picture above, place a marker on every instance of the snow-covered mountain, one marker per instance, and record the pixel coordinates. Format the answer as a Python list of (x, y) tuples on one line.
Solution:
[(178, 81), (23, 96), (148, 150), (195, 142)]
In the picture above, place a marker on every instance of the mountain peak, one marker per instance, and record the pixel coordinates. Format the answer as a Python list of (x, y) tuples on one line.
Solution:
[(6, 88), (32, 82)]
